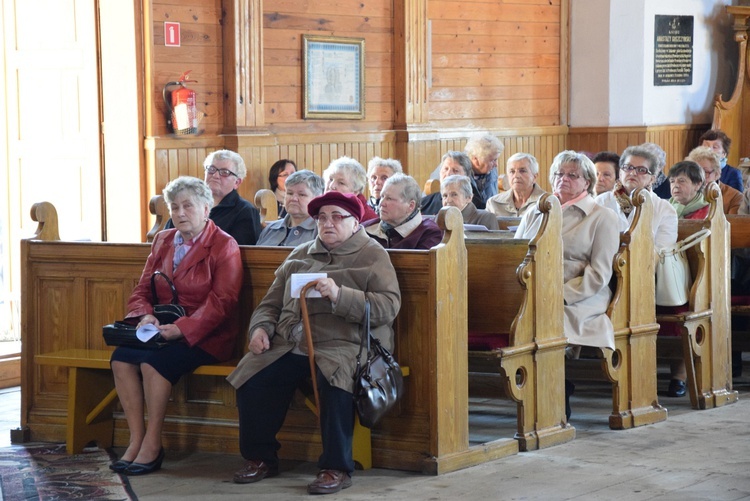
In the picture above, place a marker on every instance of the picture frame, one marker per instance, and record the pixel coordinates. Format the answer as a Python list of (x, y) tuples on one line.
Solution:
[(333, 77)]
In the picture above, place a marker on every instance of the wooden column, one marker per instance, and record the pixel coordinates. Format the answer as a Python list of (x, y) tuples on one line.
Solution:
[(243, 66), (411, 73)]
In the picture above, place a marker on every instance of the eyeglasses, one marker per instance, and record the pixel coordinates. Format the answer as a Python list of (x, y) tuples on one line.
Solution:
[(334, 218), (638, 170), (222, 172), (570, 175)]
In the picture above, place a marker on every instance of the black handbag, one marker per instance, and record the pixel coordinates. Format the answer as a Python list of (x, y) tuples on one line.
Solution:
[(122, 333), (378, 382), (170, 312)]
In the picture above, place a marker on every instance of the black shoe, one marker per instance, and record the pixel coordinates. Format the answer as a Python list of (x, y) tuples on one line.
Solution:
[(569, 390), (120, 465), (677, 388), (145, 468)]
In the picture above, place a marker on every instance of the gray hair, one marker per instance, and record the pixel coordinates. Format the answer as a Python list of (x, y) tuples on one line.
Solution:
[(517, 157), (196, 188), (484, 145), (643, 151), (390, 163), (351, 169), (460, 158), (235, 158), (410, 190), (658, 153), (310, 179), (462, 181), (573, 157), (705, 153)]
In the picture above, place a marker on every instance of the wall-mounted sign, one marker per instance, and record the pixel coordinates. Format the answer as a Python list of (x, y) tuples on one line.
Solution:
[(171, 34), (673, 50)]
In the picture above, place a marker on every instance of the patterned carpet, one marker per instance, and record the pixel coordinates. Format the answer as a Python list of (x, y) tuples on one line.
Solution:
[(45, 472)]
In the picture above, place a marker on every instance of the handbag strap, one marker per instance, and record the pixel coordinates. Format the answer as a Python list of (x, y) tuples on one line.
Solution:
[(687, 243), (310, 349), (365, 338), (171, 286)]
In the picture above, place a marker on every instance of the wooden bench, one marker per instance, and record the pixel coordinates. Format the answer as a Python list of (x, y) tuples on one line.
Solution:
[(513, 298), (740, 239), (706, 326), (70, 289), (631, 367)]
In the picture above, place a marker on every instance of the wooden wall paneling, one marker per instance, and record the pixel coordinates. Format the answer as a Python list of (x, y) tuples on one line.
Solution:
[(497, 65)]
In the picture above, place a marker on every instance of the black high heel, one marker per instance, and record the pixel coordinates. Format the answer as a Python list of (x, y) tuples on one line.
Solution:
[(145, 468), (120, 465)]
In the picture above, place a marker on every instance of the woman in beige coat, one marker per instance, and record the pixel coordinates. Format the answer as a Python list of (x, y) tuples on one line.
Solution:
[(356, 268), (590, 240)]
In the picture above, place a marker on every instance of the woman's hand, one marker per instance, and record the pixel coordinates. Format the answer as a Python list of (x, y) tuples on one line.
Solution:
[(259, 341), (328, 288), (170, 332), (147, 319)]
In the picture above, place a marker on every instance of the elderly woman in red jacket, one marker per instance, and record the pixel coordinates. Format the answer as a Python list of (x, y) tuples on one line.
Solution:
[(204, 264)]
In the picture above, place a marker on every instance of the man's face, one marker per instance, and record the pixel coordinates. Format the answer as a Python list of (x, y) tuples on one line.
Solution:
[(222, 186)]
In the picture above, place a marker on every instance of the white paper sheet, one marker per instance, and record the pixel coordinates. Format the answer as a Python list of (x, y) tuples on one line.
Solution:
[(299, 280), (146, 332)]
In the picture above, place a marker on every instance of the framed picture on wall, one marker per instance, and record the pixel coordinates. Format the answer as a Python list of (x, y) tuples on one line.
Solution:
[(333, 77)]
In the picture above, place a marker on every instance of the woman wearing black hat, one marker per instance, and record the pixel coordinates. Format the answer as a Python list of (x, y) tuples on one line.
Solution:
[(277, 362)]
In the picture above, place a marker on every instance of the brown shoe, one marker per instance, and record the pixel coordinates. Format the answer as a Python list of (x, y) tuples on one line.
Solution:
[(254, 471), (329, 481)]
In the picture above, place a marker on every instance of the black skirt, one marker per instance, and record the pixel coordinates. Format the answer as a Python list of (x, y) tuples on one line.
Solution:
[(171, 362)]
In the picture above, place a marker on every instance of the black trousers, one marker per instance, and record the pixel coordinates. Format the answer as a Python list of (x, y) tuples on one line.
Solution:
[(263, 402)]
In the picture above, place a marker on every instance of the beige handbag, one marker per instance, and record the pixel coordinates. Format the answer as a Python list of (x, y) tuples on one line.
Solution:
[(673, 280)]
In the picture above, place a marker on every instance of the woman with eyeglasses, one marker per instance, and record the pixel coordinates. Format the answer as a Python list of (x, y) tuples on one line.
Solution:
[(710, 162), (356, 269), (277, 176), (225, 171), (638, 167), (590, 240), (205, 266)]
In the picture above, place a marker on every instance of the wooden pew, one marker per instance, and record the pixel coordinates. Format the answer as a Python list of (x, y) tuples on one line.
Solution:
[(265, 201), (740, 239), (706, 326), (512, 291), (631, 367), (71, 289)]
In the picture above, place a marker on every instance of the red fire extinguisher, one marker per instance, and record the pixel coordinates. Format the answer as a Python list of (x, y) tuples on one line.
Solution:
[(182, 115)]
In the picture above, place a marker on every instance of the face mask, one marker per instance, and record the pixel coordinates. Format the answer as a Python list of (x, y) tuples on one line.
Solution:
[(723, 162)]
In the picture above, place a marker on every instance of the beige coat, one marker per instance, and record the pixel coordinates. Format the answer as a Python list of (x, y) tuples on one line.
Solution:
[(503, 205), (591, 238), (361, 268)]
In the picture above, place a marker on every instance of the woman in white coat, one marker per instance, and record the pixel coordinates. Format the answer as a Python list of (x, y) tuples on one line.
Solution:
[(591, 238)]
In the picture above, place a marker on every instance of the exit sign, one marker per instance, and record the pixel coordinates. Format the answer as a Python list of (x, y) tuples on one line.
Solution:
[(171, 34)]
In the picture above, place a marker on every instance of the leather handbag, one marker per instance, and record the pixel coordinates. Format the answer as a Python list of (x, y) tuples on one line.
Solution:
[(170, 312), (378, 381), (123, 333), (673, 279)]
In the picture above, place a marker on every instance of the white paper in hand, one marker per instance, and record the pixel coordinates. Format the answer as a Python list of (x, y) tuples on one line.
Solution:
[(146, 332), (299, 280)]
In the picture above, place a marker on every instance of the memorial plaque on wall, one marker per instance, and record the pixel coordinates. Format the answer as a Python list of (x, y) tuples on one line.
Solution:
[(673, 50)]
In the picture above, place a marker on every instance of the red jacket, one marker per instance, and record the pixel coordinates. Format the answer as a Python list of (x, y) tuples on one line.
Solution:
[(208, 283)]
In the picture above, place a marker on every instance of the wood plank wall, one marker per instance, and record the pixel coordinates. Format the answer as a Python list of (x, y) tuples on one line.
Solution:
[(676, 140), (510, 48)]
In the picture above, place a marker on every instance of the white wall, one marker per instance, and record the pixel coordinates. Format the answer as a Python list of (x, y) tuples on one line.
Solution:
[(615, 87)]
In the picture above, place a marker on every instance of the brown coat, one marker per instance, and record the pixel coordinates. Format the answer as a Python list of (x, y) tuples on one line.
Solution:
[(732, 198), (361, 268)]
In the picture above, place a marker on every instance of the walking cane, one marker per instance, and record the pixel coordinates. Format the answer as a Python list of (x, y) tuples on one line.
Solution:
[(308, 336)]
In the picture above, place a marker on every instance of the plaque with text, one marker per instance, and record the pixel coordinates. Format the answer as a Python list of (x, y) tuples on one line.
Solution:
[(673, 50)]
